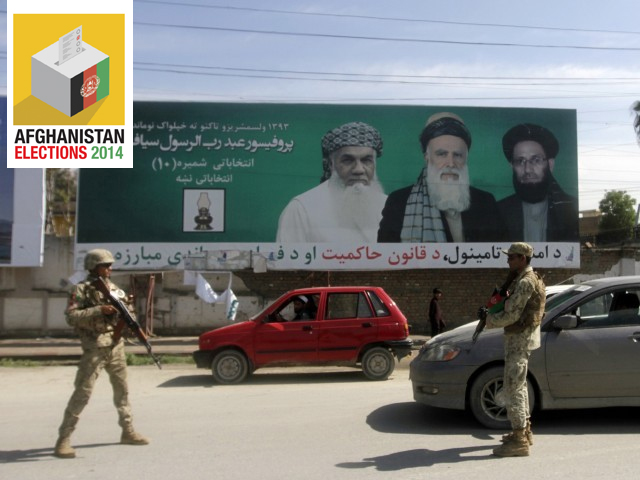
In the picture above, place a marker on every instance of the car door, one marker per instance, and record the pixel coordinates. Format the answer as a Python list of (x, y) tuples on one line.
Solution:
[(349, 323), (282, 340), (601, 356)]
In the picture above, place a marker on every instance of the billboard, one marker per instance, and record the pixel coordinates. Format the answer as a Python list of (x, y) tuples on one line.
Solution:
[(221, 180), (21, 208)]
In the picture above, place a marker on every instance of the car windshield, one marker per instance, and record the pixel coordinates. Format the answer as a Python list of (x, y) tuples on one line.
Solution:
[(261, 312), (562, 297)]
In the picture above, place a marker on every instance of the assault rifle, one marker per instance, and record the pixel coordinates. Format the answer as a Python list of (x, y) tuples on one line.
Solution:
[(126, 319), (482, 315), (494, 305)]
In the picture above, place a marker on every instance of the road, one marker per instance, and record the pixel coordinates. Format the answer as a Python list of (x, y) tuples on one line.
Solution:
[(297, 423)]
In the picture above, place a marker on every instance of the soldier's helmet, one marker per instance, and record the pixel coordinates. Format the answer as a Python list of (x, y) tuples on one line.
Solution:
[(96, 257)]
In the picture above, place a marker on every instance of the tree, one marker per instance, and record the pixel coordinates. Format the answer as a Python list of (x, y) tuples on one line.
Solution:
[(61, 200), (618, 217), (636, 122)]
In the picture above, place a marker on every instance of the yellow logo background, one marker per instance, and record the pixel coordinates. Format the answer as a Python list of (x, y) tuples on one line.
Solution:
[(35, 32)]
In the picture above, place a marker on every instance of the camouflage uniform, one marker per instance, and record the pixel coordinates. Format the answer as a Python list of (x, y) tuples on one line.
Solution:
[(102, 348), (520, 318)]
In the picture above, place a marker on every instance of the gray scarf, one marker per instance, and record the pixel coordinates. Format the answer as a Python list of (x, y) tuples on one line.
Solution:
[(422, 221)]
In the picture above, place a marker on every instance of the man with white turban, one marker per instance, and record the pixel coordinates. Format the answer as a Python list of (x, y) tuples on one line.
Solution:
[(347, 205)]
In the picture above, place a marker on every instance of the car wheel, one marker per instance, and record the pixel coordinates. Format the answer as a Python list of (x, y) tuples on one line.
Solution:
[(378, 363), (230, 366), (488, 402)]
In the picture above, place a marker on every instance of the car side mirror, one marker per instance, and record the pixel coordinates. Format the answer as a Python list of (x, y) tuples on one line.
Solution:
[(566, 322)]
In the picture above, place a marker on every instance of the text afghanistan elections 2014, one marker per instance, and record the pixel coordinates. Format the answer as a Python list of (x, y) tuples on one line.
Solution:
[(70, 143)]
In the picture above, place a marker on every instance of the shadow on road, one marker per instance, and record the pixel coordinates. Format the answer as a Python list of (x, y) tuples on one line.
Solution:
[(267, 376), (414, 418), (38, 454), (188, 381), (421, 457)]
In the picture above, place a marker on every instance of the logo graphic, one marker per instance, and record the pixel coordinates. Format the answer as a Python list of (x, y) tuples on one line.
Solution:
[(90, 86), (69, 101), (67, 76)]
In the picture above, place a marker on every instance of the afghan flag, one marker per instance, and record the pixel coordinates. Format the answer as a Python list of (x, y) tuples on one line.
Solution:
[(496, 302), (90, 86)]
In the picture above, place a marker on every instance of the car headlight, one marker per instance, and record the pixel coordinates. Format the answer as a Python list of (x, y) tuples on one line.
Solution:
[(442, 352)]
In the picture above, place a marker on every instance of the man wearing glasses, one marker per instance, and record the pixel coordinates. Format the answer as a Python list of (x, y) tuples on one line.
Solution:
[(539, 211)]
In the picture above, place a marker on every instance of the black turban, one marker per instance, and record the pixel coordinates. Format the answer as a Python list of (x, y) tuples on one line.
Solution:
[(444, 124), (531, 132)]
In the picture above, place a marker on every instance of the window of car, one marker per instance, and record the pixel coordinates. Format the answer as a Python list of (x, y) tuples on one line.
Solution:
[(561, 297), (348, 305), (378, 305), (610, 309)]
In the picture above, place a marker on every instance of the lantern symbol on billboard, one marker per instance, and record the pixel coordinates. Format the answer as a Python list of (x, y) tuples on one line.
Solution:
[(203, 219)]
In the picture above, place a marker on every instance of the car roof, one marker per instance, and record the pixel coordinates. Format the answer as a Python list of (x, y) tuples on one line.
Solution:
[(553, 289), (312, 290), (613, 280)]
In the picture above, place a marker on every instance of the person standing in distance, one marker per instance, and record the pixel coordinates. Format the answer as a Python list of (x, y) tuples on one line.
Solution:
[(95, 320), (435, 313), (521, 317)]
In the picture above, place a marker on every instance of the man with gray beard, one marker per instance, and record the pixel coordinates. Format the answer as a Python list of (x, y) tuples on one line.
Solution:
[(346, 206), (442, 206)]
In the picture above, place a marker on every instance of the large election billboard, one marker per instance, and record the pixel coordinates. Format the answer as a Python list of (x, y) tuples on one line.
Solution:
[(21, 208), (336, 187)]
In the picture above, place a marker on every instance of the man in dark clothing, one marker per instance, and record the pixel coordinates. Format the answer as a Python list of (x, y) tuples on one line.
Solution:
[(303, 308), (435, 313), (441, 206), (481, 222), (539, 211)]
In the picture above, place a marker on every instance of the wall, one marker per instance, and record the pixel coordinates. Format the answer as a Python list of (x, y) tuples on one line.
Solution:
[(32, 300)]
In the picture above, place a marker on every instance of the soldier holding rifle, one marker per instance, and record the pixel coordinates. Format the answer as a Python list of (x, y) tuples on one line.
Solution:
[(98, 323), (520, 318)]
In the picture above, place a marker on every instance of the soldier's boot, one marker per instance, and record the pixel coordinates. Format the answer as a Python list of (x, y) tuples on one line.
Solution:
[(509, 436), (131, 437), (63, 448), (517, 446)]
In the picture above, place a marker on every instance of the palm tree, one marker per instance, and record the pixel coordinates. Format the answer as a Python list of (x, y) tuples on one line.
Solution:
[(636, 123)]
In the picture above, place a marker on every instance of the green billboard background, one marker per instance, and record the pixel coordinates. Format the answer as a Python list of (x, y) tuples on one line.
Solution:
[(262, 155)]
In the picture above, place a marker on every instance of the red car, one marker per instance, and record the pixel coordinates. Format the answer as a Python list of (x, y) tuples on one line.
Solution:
[(347, 326)]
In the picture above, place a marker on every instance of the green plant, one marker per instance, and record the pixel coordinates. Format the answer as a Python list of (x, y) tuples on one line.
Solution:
[(134, 360), (13, 362)]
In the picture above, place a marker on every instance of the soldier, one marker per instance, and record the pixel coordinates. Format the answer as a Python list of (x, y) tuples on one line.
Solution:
[(95, 322), (521, 318)]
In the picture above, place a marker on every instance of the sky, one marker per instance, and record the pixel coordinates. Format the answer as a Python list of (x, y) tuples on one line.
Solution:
[(574, 54)]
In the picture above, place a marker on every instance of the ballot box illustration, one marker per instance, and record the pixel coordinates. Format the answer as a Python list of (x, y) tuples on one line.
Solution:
[(72, 84)]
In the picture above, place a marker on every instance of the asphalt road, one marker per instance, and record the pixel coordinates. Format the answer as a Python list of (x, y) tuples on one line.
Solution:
[(295, 423)]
